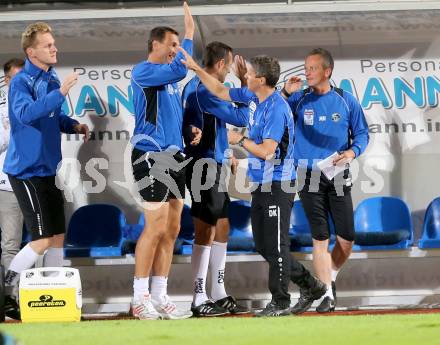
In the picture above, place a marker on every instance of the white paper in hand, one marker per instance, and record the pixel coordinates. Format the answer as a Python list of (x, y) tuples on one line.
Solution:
[(327, 167)]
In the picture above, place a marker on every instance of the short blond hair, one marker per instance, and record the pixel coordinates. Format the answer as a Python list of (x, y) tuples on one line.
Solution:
[(29, 36)]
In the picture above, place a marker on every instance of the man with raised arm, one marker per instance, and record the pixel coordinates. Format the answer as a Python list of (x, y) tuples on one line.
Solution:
[(270, 147), (158, 167), (209, 209)]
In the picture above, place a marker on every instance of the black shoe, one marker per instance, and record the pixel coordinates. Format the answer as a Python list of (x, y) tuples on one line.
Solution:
[(327, 305), (308, 296), (207, 309), (334, 291), (12, 310), (272, 309), (230, 304)]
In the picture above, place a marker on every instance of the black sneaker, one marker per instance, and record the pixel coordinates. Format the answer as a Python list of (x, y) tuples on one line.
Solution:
[(334, 291), (207, 309), (230, 304), (272, 309), (12, 310), (308, 296), (327, 305)]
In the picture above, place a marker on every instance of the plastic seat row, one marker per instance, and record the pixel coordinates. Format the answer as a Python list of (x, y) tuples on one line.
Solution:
[(381, 223), (101, 230)]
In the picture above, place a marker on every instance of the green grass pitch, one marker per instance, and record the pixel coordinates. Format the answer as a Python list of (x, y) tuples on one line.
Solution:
[(314, 330)]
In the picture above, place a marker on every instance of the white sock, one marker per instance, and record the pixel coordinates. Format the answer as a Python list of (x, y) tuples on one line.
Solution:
[(334, 274), (199, 264), (53, 258), (24, 259), (159, 288), (329, 292), (140, 288), (218, 262)]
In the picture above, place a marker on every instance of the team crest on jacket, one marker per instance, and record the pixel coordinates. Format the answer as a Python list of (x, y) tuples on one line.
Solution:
[(336, 117)]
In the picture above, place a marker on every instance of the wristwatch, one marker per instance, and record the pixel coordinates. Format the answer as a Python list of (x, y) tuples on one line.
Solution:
[(241, 141)]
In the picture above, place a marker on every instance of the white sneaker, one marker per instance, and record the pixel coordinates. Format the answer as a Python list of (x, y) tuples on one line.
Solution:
[(169, 311), (143, 309)]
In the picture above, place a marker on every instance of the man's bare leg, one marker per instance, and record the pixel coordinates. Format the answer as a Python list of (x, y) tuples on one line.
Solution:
[(322, 261), (340, 254), (156, 215)]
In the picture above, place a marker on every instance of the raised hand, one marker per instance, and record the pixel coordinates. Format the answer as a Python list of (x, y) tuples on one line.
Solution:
[(293, 84), (240, 69), (68, 83), (189, 22)]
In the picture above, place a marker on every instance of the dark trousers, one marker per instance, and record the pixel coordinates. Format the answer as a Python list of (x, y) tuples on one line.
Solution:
[(270, 217), (328, 197)]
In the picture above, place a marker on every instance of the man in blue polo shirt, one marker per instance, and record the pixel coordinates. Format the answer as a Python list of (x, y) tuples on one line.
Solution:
[(270, 147), (158, 167), (329, 123)]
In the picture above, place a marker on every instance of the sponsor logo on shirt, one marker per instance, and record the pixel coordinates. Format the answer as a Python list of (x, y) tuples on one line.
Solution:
[(336, 117), (308, 117), (322, 118)]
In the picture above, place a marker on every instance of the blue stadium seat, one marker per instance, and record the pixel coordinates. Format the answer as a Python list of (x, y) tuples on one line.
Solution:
[(240, 239), (186, 224), (95, 231), (240, 234), (382, 223), (185, 239), (26, 236), (431, 226), (299, 233), (133, 231)]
